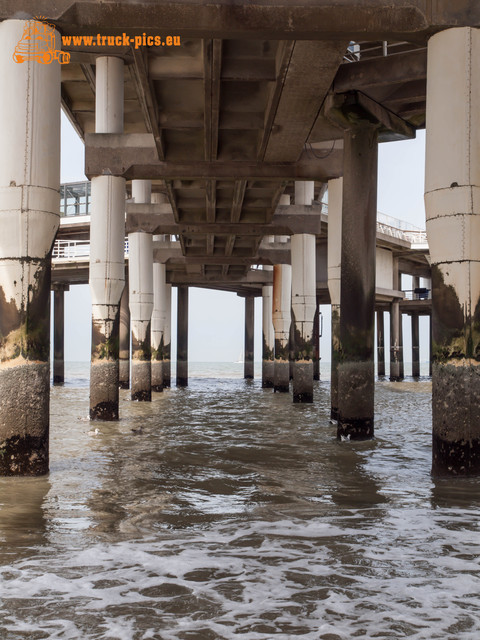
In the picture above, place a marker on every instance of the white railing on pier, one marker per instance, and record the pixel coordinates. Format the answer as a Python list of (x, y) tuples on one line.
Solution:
[(75, 249), (394, 227)]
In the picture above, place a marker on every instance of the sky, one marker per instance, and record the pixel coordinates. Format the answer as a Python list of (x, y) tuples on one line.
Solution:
[(216, 319)]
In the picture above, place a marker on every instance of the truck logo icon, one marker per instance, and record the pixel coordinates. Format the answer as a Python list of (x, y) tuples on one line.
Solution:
[(38, 43)]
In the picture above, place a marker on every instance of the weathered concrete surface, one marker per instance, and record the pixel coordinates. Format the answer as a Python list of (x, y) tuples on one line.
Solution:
[(302, 381), (281, 379), (357, 295), (415, 346), (124, 341), (58, 335), (249, 335), (316, 344), (268, 335), (336, 354), (268, 373), (29, 214), (107, 280), (104, 389), (107, 240), (380, 344), (396, 346), (310, 19), (304, 303), (282, 318), (334, 260), (159, 313), (452, 181), (24, 441), (182, 337), (157, 375), (141, 378), (141, 306), (355, 390), (455, 444), (167, 365)]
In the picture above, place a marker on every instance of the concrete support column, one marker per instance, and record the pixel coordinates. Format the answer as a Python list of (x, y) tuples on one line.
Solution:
[(415, 346), (268, 335), (249, 337), (59, 333), (415, 334), (304, 303), (304, 192), (158, 322), (380, 344), (452, 190), (430, 346), (124, 340), (107, 250), (182, 337), (281, 316), (316, 342), (400, 335), (396, 348), (335, 196), (291, 346), (167, 337), (140, 280), (356, 374), (29, 215), (396, 342)]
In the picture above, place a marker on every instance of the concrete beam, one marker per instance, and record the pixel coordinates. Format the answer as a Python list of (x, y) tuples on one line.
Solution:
[(381, 71), (158, 219), (312, 66), (309, 19), (353, 108), (134, 156)]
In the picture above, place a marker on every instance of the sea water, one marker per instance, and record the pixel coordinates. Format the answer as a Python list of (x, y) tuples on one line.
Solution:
[(224, 511)]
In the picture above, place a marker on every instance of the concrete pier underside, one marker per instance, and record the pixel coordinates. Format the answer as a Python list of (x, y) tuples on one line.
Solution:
[(224, 125)]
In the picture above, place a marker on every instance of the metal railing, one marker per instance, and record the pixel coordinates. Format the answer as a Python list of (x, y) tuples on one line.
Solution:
[(75, 198), (75, 249), (393, 227), (420, 293), (361, 50)]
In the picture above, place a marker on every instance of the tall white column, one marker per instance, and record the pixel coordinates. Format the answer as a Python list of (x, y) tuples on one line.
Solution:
[(396, 346), (452, 200), (29, 216), (161, 306), (304, 301), (304, 192), (282, 317), (140, 281), (107, 239), (334, 258)]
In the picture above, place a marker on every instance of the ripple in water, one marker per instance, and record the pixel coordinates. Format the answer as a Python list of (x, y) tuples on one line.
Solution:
[(225, 511)]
